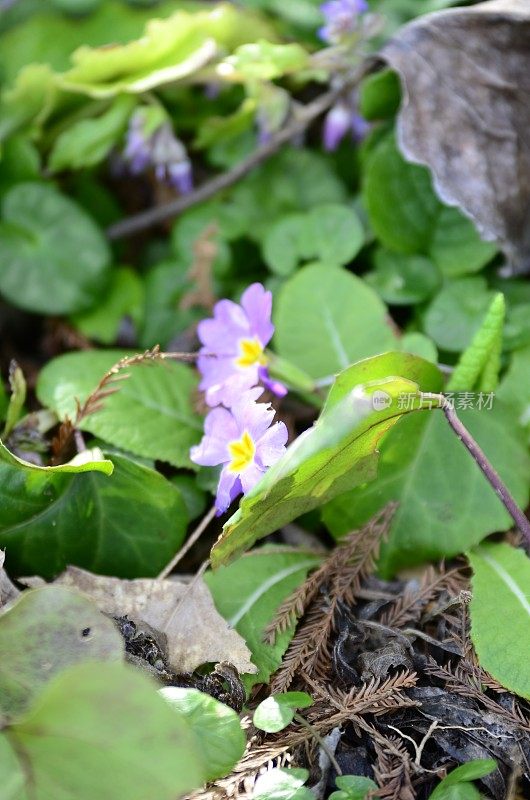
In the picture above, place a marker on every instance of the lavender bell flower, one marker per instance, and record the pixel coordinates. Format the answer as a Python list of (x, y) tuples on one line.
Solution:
[(344, 118), (232, 357), (244, 442), (161, 150), (341, 19)]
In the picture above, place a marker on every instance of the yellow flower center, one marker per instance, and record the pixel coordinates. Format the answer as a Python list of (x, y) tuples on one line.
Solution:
[(251, 353), (241, 452)]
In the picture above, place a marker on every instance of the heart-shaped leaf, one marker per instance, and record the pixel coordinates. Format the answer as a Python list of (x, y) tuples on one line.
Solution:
[(53, 258)]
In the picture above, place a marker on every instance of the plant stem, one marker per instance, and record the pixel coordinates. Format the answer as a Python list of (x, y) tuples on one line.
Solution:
[(201, 527), (485, 465), (302, 119)]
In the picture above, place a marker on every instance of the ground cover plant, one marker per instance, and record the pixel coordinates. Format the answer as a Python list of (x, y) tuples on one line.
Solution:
[(264, 399)]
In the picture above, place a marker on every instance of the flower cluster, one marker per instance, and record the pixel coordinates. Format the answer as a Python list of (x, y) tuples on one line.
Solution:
[(238, 434), (341, 19), (160, 149)]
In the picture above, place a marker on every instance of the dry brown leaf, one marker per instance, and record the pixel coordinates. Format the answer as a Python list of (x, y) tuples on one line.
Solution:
[(466, 115), (196, 632)]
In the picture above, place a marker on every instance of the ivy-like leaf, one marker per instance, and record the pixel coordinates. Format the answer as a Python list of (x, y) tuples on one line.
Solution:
[(339, 452), (129, 524), (501, 580)]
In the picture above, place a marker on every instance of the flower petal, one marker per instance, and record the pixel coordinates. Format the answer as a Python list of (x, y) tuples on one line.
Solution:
[(228, 489), (271, 446), (257, 304), (219, 428)]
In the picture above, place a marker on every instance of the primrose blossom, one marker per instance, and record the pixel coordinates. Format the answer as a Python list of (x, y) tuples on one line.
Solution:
[(232, 358), (341, 19), (244, 442)]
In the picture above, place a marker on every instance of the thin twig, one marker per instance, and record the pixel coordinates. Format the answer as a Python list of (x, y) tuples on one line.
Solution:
[(302, 119), (483, 462), (318, 738), (201, 527)]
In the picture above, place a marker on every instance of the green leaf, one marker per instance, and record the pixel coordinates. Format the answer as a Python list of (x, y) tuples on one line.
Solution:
[(87, 142), (408, 217), (91, 460), (31, 99), (456, 247), (379, 95), (501, 580), (248, 593), (283, 243), (55, 627), (338, 452), (282, 784), (456, 785), (17, 384), (101, 730), (163, 318), (331, 233), (419, 345), (151, 414), (53, 258), (169, 50), (352, 787), (263, 61), (216, 726), (401, 204), (424, 466), (328, 318), (292, 181), (278, 711), (514, 390), (456, 313), (124, 297), (128, 525), (403, 279), (19, 162), (480, 362)]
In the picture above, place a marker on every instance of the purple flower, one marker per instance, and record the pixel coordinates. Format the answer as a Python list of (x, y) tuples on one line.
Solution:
[(232, 357), (244, 442), (160, 149), (341, 18), (344, 118)]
